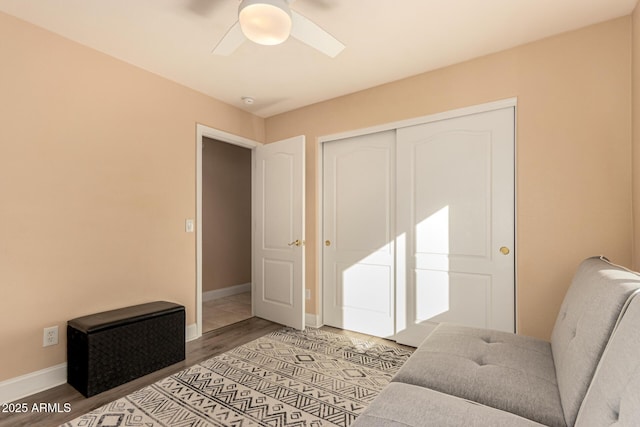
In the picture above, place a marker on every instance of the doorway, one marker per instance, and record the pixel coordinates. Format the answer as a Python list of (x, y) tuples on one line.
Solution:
[(226, 234), (277, 227)]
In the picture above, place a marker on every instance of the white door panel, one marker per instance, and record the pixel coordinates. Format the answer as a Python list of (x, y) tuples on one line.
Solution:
[(442, 297), (456, 207), (452, 181), (279, 282), (358, 224), (279, 215), (277, 170)]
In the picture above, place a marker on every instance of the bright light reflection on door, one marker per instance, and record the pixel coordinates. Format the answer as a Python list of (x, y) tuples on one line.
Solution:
[(376, 296), (432, 233), (432, 285), (366, 289)]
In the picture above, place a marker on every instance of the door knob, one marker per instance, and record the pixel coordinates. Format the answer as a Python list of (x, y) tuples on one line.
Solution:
[(327, 242), (296, 243), (504, 250)]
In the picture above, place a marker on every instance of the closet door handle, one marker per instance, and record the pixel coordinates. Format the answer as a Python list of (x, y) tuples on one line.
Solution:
[(296, 243)]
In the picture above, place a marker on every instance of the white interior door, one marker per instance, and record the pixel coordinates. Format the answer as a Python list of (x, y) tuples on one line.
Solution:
[(278, 293), (456, 224), (358, 233)]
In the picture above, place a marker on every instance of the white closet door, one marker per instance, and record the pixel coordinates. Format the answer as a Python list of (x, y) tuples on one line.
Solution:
[(456, 224), (358, 233)]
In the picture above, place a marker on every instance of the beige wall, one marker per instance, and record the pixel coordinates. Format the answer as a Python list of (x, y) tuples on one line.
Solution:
[(226, 215), (97, 176), (635, 83), (573, 150), (97, 171)]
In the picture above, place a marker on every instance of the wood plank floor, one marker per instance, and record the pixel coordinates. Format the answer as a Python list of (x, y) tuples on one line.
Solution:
[(209, 345)]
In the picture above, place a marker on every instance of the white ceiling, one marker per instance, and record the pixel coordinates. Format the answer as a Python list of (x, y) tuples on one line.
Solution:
[(386, 40)]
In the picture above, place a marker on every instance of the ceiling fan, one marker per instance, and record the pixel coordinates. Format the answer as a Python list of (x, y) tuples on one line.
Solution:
[(271, 22)]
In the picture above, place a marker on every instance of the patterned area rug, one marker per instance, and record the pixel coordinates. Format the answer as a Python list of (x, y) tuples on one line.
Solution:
[(288, 378)]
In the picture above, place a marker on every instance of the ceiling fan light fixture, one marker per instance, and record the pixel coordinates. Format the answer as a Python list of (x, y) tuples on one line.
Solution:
[(266, 22)]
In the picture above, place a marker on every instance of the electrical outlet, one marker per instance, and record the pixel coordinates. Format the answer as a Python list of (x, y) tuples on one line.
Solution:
[(50, 336)]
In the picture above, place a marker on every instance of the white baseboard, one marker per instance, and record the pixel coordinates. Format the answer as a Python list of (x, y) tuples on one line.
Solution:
[(192, 332), (312, 320), (226, 292), (34, 382)]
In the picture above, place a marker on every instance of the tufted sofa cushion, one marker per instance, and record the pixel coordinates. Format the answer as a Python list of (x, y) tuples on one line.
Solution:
[(613, 397), (405, 405), (541, 381), (498, 369), (584, 324)]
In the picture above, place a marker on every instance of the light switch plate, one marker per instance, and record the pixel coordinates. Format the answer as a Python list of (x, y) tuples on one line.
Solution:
[(189, 226)]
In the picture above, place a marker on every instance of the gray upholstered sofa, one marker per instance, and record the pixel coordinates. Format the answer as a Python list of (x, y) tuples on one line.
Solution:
[(588, 375)]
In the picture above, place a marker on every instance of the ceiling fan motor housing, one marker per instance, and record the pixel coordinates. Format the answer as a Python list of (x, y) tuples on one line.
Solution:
[(266, 22)]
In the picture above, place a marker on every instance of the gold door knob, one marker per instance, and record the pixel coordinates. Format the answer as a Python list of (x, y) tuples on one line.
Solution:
[(327, 242), (504, 250)]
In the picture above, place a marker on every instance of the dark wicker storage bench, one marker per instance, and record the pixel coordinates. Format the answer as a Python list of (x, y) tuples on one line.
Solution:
[(111, 348)]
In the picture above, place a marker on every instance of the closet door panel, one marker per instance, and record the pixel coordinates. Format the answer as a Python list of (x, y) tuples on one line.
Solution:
[(419, 227), (358, 231), (455, 204)]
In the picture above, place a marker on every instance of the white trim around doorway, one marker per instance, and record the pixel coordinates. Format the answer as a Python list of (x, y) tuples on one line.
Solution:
[(203, 131)]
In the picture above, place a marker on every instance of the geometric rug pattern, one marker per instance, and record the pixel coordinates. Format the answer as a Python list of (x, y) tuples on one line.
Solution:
[(288, 378)]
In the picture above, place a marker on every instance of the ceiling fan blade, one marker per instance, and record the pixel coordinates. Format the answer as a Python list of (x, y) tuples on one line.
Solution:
[(309, 33), (321, 4), (203, 7), (230, 42)]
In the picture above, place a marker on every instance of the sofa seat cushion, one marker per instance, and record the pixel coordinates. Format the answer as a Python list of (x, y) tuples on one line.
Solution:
[(505, 371), (402, 405)]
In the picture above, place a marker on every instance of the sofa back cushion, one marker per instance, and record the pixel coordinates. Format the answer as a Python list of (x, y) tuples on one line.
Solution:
[(585, 322), (614, 394)]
